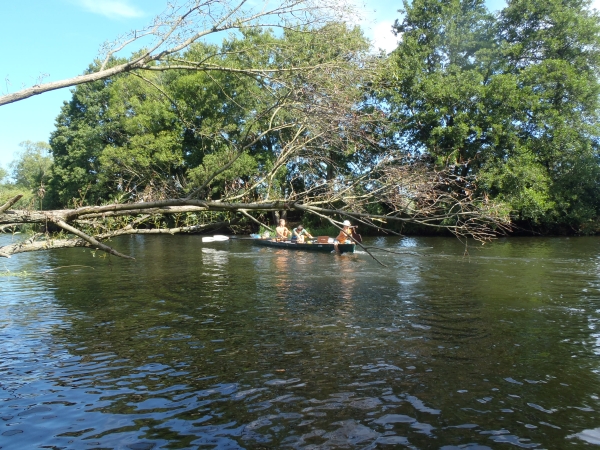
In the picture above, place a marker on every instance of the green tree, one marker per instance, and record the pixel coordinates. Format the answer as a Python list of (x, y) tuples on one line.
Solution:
[(438, 79), (82, 131), (552, 49), (168, 133), (29, 175), (511, 100), (31, 169)]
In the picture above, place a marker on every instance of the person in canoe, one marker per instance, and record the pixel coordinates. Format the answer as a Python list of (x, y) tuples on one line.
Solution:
[(345, 236), (299, 233), (282, 231)]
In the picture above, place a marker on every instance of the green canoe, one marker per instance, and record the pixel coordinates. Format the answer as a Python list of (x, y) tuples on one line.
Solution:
[(311, 247)]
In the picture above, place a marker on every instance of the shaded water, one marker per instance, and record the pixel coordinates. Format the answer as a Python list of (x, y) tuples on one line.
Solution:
[(229, 345)]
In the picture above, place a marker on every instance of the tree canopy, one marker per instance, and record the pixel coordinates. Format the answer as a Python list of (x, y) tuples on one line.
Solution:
[(511, 99), (167, 133), (31, 169)]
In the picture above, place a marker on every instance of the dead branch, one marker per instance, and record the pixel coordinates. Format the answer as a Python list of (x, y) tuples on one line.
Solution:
[(184, 24), (428, 202), (41, 242), (11, 202), (172, 231), (93, 242), (245, 214), (22, 247), (12, 226)]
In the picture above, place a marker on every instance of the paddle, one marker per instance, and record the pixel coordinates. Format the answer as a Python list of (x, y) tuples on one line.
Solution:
[(357, 237), (215, 238)]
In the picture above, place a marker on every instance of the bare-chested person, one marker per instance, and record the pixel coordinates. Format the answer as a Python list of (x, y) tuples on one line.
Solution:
[(282, 231)]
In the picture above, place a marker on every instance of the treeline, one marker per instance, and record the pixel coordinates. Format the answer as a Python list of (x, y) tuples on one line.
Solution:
[(504, 105)]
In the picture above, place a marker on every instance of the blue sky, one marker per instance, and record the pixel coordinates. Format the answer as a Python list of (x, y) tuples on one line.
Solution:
[(54, 39), (50, 40)]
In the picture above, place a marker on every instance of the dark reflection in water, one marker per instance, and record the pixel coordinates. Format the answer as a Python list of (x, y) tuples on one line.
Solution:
[(228, 345)]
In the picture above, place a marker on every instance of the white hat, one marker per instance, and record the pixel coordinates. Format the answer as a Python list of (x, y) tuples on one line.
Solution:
[(347, 223)]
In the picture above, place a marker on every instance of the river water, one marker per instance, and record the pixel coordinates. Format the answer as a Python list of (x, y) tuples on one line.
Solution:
[(229, 345)]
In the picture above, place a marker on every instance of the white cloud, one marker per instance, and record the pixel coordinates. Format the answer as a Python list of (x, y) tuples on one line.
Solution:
[(111, 8), (376, 18), (383, 38)]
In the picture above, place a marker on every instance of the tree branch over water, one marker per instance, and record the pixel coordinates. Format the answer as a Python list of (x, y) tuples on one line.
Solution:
[(426, 203), (11, 202), (188, 22)]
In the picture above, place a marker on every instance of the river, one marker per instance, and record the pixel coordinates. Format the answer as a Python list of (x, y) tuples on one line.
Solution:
[(229, 345)]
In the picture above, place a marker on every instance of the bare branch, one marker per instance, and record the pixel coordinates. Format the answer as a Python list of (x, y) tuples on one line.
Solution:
[(253, 219), (171, 231), (11, 202), (184, 25), (93, 242), (3, 228), (22, 247)]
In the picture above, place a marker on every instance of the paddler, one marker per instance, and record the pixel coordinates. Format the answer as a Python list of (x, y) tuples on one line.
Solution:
[(299, 233), (345, 235), (282, 231)]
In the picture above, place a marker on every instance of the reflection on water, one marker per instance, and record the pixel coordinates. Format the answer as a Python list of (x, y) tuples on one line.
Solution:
[(228, 345)]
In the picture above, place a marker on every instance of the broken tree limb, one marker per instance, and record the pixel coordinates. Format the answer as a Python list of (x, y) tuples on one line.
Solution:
[(93, 242), (11, 202), (32, 245), (170, 206), (3, 228), (48, 244), (171, 231), (245, 214), (147, 212)]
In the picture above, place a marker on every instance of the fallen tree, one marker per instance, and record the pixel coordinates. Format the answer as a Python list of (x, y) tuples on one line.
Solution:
[(411, 195)]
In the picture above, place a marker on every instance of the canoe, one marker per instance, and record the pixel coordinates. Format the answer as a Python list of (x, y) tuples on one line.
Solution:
[(343, 248)]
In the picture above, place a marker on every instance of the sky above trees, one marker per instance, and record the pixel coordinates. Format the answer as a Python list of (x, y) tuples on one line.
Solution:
[(49, 40)]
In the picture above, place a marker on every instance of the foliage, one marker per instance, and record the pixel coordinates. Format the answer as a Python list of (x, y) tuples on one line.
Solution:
[(553, 50), (82, 131), (31, 169), (29, 175), (8, 191), (158, 134), (511, 99)]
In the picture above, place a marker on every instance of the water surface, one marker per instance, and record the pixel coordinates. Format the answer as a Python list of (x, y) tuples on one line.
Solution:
[(229, 345)]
